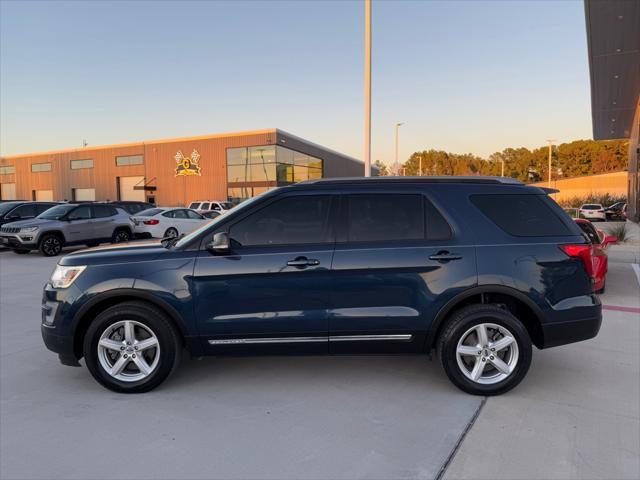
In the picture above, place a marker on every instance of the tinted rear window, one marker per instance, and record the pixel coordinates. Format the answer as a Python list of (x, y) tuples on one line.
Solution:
[(521, 215), (384, 217)]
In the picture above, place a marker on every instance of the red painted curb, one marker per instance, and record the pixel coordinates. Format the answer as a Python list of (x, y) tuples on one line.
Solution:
[(621, 309)]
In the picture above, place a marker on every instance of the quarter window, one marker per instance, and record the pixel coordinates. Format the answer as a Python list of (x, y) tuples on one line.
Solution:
[(289, 221), (78, 164), (521, 215), (385, 217)]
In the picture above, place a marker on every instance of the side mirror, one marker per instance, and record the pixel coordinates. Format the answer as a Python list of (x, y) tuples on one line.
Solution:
[(610, 239), (220, 243)]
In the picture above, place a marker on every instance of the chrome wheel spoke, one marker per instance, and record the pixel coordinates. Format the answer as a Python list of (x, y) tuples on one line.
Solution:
[(117, 367), (467, 350), (481, 332), (503, 343), (111, 344), (142, 365), (478, 368), (129, 334), (147, 343), (500, 365)]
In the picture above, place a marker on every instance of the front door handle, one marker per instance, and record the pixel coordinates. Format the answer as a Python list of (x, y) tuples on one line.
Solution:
[(303, 262), (444, 256)]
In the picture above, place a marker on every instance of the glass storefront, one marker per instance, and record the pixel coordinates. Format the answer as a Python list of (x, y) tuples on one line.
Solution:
[(253, 170)]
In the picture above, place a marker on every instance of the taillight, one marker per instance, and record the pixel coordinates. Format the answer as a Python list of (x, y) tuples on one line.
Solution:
[(584, 253), (153, 221)]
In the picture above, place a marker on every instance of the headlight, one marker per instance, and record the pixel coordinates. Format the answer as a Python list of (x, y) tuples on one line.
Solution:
[(63, 277), (28, 229)]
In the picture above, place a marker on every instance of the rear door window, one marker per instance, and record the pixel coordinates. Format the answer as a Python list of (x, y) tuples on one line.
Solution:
[(521, 215), (385, 217)]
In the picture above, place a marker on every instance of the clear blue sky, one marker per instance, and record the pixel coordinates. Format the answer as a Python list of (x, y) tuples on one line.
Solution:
[(465, 76)]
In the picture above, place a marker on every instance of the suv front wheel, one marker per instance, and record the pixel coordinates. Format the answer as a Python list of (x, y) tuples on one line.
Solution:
[(51, 245), (485, 350), (131, 347)]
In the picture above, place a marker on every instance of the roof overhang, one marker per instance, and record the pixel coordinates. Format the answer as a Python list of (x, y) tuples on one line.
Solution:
[(613, 37)]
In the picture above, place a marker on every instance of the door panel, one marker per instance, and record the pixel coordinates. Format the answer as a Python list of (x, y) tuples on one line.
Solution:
[(80, 225), (255, 294), (378, 292), (270, 294)]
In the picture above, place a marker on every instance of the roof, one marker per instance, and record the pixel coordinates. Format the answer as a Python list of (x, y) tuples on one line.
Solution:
[(614, 63), (434, 179), (148, 142)]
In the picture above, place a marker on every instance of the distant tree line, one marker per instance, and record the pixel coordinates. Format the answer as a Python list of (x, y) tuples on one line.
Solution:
[(580, 157)]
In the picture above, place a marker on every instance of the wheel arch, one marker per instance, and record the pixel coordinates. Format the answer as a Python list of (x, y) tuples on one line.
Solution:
[(515, 301), (82, 319), (58, 233)]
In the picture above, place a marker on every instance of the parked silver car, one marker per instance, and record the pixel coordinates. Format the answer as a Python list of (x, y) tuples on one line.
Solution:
[(68, 224)]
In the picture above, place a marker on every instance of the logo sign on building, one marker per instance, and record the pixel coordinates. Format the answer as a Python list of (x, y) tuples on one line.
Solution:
[(186, 166)]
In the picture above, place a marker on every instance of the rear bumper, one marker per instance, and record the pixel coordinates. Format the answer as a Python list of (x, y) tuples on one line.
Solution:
[(561, 333)]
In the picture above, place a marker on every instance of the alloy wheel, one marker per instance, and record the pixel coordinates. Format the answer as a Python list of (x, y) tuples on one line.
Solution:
[(121, 237), (487, 353), (129, 351), (51, 246)]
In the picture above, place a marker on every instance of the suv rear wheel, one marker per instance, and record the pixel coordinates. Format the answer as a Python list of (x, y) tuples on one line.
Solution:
[(131, 347), (51, 245), (485, 350)]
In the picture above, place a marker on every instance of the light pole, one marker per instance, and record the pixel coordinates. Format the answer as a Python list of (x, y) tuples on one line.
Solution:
[(397, 127), (367, 88), (550, 147)]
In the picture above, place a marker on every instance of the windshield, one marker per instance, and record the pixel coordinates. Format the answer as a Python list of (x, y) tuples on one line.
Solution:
[(246, 204), (56, 213), (5, 207)]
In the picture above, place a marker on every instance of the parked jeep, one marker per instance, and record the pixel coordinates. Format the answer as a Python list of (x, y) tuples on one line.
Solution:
[(477, 269), (68, 224)]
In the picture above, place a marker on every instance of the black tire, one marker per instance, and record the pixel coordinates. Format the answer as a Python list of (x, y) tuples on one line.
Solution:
[(51, 245), (121, 235), (464, 319), (153, 318), (171, 233), (20, 251)]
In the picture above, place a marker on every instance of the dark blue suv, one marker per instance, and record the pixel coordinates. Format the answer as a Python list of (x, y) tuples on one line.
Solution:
[(477, 269)]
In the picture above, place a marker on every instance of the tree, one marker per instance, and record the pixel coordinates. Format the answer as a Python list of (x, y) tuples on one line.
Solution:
[(383, 170)]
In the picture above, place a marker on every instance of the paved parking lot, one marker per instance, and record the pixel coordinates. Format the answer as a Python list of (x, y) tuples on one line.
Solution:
[(576, 415)]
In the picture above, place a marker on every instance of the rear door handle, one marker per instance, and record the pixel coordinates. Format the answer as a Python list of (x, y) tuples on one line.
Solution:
[(302, 262), (445, 256)]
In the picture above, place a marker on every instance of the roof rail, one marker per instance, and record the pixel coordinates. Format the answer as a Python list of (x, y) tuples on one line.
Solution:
[(434, 179)]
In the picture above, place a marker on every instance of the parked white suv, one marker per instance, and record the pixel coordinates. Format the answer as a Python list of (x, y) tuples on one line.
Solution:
[(592, 211), (202, 206)]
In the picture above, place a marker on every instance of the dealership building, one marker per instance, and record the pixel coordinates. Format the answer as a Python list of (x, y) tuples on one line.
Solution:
[(172, 172)]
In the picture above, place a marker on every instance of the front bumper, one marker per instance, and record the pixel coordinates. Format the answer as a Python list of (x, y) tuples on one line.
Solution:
[(18, 241)]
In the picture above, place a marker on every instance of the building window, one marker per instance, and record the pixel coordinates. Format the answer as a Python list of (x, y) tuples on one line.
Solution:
[(83, 194), (129, 160), (41, 167), (252, 170), (78, 164), (7, 169)]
